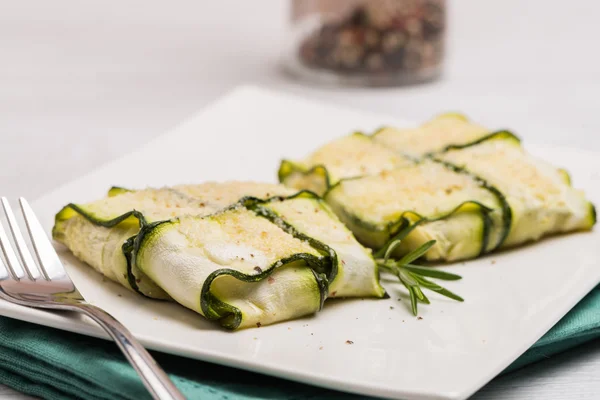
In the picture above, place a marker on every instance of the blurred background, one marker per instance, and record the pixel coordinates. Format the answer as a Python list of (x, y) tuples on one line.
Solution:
[(89, 74), (84, 82)]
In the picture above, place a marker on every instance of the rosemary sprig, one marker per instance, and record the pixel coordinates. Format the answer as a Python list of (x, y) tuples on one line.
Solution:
[(413, 277)]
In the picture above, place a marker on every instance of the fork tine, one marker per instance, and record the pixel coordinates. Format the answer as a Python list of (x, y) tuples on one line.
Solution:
[(49, 262), (4, 274), (28, 263), (12, 261)]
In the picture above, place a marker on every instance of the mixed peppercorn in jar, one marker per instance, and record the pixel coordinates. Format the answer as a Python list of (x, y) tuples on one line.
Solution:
[(369, 42)]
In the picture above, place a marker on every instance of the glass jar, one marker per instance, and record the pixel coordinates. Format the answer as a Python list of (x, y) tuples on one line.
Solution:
[(367, 42)]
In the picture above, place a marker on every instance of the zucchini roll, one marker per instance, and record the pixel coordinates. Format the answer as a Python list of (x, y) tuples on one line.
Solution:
[(452, 181), (241, 253)]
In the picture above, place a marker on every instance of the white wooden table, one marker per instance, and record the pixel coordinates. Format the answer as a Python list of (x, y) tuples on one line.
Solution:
[(84, 82)]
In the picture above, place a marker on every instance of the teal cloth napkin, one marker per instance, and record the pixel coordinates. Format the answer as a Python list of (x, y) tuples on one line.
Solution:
[(54, 364)]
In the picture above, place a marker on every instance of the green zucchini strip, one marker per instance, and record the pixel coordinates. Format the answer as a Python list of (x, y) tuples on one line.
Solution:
[(540, 197), (498, 135), (105, 244), (456, 209), (110, 223), (117, 190), (315, 179), (432, 136), (234, 266), (350, 156), (307, 217), (501, 218), (354, 272), (565, 175)]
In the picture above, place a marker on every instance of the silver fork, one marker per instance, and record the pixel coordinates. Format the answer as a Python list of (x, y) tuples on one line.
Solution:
[(47, 285)]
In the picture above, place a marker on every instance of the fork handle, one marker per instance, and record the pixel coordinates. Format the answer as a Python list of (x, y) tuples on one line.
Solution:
[(153, 376)]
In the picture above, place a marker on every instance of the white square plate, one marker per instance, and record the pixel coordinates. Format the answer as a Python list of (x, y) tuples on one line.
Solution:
[(512, 298)]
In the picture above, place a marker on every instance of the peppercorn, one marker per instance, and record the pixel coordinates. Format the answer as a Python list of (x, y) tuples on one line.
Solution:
[(379, 37)]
